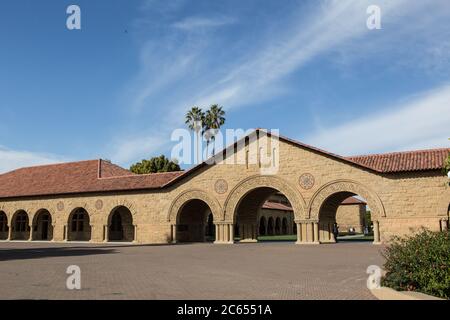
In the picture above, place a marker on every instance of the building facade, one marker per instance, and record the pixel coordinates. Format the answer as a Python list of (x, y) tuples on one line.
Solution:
[(98, 201)]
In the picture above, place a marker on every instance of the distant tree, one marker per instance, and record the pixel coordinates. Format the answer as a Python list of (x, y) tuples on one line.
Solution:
[(195, 119), (154, 165), (214, 120), (446, 168)]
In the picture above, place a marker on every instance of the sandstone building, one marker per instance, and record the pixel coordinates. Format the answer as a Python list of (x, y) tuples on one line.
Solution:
[(98, 201)]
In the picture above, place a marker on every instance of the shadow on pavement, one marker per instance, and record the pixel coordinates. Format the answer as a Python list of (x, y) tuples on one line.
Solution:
[(38, 253)]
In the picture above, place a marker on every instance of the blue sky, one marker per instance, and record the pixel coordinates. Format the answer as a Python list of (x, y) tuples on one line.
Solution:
[(118, 87)]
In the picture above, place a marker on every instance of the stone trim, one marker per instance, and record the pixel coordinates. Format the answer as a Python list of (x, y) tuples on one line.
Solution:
[(327, 190), (189, 195), (264, 181)]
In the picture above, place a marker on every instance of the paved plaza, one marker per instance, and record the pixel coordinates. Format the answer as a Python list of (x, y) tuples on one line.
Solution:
[(188, 271)]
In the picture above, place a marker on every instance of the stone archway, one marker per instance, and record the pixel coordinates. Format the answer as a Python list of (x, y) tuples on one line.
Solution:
[(20, 224), (192, 215), (244, 187), (79, 227), (3, 225), (246, 199), (329, 197), (42, 226), (120, 225)]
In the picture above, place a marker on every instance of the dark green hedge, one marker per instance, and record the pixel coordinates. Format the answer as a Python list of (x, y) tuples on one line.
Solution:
[(419, 263)]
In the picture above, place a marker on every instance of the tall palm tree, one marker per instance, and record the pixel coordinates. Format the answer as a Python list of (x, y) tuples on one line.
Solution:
[(214, 120), (195, 119)]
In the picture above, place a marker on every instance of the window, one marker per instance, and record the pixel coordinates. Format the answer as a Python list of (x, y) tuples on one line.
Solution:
[(78, 221), (3, 222), (21, 223)]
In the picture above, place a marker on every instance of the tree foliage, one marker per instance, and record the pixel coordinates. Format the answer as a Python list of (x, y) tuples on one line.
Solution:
[(420, 262), (447, 165), (154, 165)]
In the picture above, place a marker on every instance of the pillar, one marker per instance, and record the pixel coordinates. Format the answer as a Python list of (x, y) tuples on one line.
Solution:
[(105, 233), (135, 230), (173, 231), (30, 237), (376, 232), (307, 232), (231, 233), (316, 232), (299, 232), (444, 225), (10, 233), (224, 233)]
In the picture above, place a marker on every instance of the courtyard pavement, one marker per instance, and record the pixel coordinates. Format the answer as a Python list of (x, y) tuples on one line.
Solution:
[(188, 271)]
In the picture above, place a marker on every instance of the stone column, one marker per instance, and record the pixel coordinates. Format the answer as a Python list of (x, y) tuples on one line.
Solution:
[(444, 225), (299, 233), (376, 232), (307, 231), (10, 233), (105, 233), (224, 233), (174, 233), (135, 230), (316, 232), (30, 237), (217, 232), (231, 234)]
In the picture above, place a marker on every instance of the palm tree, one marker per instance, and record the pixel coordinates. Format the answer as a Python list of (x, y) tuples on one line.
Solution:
[(195, 119), (214, 119)]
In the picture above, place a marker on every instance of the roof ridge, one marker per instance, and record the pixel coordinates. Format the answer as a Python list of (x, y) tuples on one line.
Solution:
[(142, 175), (399, 152), (49, 165)]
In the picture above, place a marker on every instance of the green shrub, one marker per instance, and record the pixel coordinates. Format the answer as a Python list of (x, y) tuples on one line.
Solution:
[(419, 263)]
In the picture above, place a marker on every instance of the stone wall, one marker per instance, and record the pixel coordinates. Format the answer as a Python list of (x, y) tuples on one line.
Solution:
[(399, 203)]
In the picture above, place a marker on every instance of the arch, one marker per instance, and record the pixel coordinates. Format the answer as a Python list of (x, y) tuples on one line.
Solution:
[(79, 228), (278, 226), (284, 227), (193, 221), (20, 224), (117, 203), (263, 181), (262, 226), (42, 225), (182, 199), (120, 224), (3, 225), (270, 227), (347, 186)]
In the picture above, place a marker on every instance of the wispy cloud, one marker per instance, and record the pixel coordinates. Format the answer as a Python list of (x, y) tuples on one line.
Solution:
[(180, 72), (418, 123), (13, 159), (196, 23)]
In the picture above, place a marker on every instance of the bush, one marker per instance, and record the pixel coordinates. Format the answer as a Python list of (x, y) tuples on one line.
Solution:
[(419, 263)]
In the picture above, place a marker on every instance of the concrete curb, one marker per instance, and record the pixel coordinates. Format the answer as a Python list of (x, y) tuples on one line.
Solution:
[(385, 293)]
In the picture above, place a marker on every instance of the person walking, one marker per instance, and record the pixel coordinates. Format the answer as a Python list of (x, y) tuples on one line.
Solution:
[(335, 231)]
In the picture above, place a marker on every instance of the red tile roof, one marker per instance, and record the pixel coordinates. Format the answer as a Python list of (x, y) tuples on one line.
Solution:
[(77, 177), (276, 206), (102, 176), (352, 200), (404, 161)]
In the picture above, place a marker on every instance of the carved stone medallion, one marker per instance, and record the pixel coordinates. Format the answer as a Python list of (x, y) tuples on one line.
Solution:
[(60, 206), (221, 186), (306, 181), (98, 204)]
